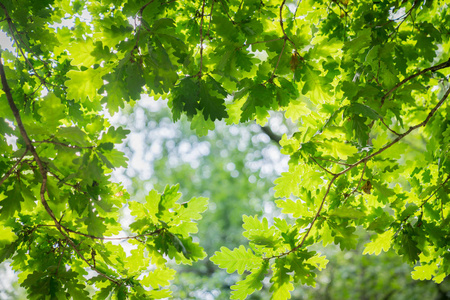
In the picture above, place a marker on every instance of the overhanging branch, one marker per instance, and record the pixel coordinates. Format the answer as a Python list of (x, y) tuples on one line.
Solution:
[(273, 136), (42, 170)]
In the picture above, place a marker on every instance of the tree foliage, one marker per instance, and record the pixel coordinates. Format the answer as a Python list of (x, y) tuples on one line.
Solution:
[(366, 84)]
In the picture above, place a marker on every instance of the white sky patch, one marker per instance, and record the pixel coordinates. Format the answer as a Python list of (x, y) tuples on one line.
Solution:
[(6, 43)]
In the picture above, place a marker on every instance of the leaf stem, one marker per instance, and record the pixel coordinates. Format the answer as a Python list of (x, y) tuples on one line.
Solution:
[(359, 183), (323, 168)]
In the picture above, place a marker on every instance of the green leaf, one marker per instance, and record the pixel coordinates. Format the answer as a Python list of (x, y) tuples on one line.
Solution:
[(408, 246), (95, 224), (73, 135), (281, 281), (185, 97), (84, 84), (346, 238), (361, 130), (135, 80), (358, 43), (213, 106), (201, 125), (252, 283), (12, 203), (159, 278), (236, 260), (51, 110), (364, 110), (8, 250), (259, 96), (379, 242), (424, 272), (347, 212), (340, 150)]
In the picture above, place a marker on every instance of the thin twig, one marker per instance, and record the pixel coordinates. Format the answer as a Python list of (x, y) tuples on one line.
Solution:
[(359, 183), (75, 186), (323, 168), (401, 136), (405, 16), (311, 224), (298, 4), (141, 10), (157, 231), (13, 167), (199, 74), (60, 258), (278, 62), (432, 69), (282, 26), (335, 162), (434, 193), (423, 203), (394, 132), (340, 7), (226, 11), (138, 33)]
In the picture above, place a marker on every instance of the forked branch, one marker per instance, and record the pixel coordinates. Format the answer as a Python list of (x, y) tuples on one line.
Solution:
[(363, 161)]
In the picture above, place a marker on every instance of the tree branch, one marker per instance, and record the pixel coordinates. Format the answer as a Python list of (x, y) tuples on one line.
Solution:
[(364, 160), (282, 26), (278, 62), (229, 17), (311, 224), (432, 69), (273, 136), (42, 170), (199, 74), (326, 170), (11, 29)]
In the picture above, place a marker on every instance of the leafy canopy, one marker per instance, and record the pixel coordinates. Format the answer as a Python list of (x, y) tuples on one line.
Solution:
[(366, 84)]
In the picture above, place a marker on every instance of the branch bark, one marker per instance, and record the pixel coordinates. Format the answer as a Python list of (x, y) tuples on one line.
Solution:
[(273, 136)]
